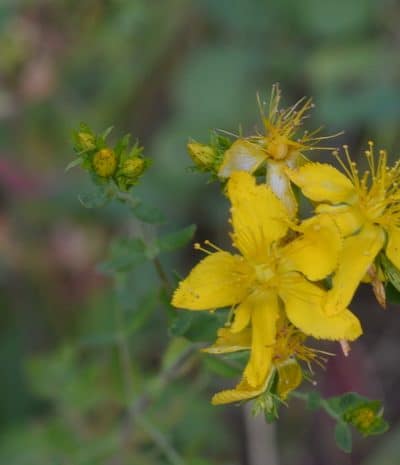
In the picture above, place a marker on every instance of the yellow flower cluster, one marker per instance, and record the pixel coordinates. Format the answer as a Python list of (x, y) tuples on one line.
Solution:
[(291, 278)]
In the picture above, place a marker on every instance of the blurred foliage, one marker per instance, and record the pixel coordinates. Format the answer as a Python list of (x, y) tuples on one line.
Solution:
[(162, 70)]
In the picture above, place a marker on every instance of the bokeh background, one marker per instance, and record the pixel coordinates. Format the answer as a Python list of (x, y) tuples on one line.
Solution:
[(164, 71)]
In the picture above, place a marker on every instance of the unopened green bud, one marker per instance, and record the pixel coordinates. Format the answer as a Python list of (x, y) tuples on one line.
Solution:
[(86, 141), (104, 163), (362, 418), (203, 155), (133, 167), (130, 171)]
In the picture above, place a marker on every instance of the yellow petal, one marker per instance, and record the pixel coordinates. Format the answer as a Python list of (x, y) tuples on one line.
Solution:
[(219, 280), (264, 315), (349, 219), (290, 377), (241, 156), (393, 246), (322, 182), (242, 316), (258, 216), (358, 253), (304, 308), (243, 391), (230, 342), (316, 252)]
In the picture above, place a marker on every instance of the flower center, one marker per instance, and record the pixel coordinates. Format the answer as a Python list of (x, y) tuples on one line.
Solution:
[(277, 147), (266, 275)]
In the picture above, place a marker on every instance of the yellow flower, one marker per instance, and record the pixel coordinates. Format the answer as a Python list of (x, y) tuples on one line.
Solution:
[(366, 209), (278, 147), (287, 351), (269, 276)]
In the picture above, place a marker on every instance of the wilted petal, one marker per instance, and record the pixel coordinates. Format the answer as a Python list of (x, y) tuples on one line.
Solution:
[(241, 156)]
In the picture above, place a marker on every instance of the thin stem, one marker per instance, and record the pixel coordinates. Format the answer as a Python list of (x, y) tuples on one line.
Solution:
[(135, 409), (123, 347), (162, 274), (322, 403), (132, 202), (161, 441), (128, 199)]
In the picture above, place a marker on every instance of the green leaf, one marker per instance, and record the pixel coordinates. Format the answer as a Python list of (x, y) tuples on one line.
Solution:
[(343, 436), (142, 312), (73, 163), (392, 294), (339, 405), (176, 348), (220, 366), (177, 239), (204, 326), (147, 214), (181, 322), (124, 255), (99, 340), (95, 199), (106, 133), (122, 144)]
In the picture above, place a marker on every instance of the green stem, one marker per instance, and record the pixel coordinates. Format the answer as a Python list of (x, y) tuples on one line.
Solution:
[(162, 274), (128, 199), (161, 441), (134, 413), (322, 403), (132, 202)]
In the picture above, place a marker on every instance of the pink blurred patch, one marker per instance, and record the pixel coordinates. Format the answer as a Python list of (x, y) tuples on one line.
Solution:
[(17, 181)]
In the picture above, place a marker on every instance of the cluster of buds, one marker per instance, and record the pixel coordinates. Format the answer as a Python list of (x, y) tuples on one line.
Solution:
[(123, 165)]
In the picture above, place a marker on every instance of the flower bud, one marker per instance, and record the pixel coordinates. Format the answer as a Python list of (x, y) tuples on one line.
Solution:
[(133, 167), (130, 171), (86, 141), (203, 155), (104, 163), (362, 418)]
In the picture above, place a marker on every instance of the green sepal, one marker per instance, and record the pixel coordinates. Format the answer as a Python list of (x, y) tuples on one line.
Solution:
[(73, 163), (389, 270)]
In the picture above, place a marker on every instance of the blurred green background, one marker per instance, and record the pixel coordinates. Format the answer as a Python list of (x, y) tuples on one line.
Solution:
[(164, 71)]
